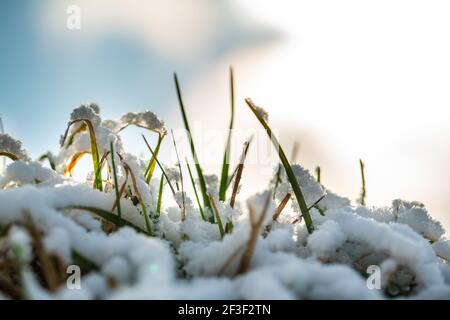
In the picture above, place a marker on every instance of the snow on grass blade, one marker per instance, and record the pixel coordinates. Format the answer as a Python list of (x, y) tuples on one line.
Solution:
[(152, 165), (201, 178), (287, 167), (362, 196), (94, 151), (217, 214), (195, 191), (226, 157), (160, 193), (116, 183), (106, 215)]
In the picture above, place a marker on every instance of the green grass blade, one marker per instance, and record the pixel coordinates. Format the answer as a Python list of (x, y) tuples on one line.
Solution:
[(108, 216), (160, 193), (152, 165), (226, 157), (216, 213), (201, 178), (159, 165), (116, 183), (287, 167), (195, 191), (48, 156)]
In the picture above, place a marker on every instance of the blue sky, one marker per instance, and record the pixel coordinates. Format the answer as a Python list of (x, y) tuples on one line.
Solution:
[(43, 77)]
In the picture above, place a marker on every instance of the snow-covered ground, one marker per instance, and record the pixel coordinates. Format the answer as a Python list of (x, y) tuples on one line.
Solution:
[(186, 257)]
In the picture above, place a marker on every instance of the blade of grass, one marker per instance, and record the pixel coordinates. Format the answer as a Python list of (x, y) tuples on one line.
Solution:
[(240, 169), (201, 178), (108, 216), (195, 191), (152, 165), (116, 183), (281, 206), (362, 197), (277, 180), (159, 165), (47, 267), (226, 157), (318, 174), (287, 167), (141, 200), (241, 160), (255, 225), (216, 213), (49, 157), (9, 155), (160, 193), (183, 210), (94, 151)]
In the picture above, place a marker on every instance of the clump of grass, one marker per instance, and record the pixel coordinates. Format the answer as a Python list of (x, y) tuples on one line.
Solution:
[(94, 150), (287, 167), (362, 196), (226, 157), (201, 178)]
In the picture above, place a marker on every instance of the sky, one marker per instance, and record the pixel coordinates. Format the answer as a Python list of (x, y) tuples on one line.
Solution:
[(346, 80)]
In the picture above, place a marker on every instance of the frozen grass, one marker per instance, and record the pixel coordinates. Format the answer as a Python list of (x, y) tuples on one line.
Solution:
[(129, 244)]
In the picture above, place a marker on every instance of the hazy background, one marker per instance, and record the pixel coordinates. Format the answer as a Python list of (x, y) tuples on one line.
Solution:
[(347, 79)]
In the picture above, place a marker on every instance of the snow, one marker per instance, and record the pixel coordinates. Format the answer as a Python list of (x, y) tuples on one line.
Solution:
[(188, 259)]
